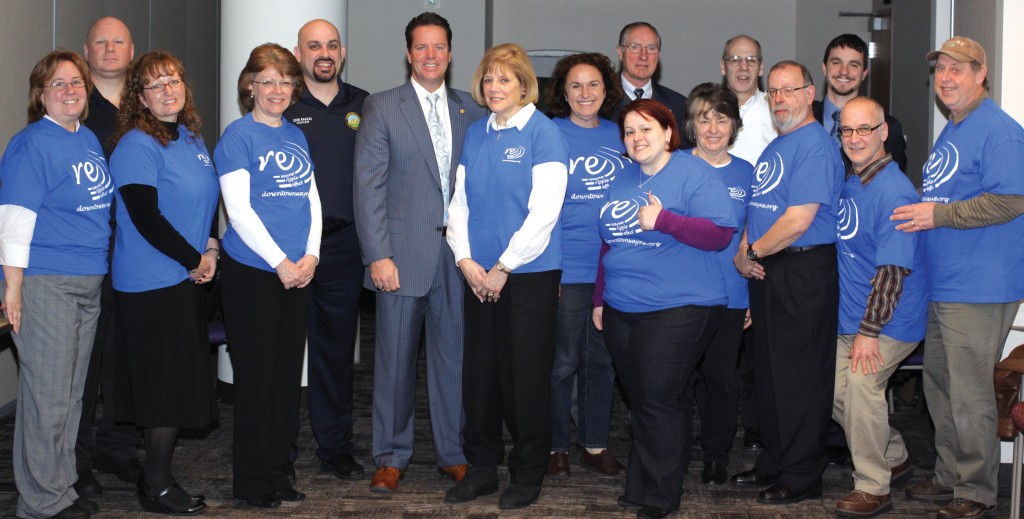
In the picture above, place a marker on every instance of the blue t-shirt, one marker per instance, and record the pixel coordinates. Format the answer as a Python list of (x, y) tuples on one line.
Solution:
[(736, 175), (868, 240), (187, 191), (280, 172), (499, 179), (800, 167), (595, 157), (62, 177), (984, 153), (649, 270)]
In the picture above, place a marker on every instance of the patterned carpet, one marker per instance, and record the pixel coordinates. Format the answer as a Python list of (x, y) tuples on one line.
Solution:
[(203, 464)]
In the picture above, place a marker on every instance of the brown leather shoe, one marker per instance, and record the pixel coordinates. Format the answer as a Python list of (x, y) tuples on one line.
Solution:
[(961, 508), (602, 462), (455, 472), (863, 504), (929, 492), (385, 480), (558, 465), (901, 473)]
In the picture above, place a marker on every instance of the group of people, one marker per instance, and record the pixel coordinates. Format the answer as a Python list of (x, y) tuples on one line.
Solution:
[(622, 235)]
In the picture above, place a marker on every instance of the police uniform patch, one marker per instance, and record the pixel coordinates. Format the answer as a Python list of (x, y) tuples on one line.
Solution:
[(352, 119)]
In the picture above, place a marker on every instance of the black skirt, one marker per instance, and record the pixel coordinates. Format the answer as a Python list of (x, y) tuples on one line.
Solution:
[(168, 350)]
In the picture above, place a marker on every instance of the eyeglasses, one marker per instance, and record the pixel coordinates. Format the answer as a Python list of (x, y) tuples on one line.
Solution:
[(270, 83), (61, 85), (863, 131), (635, 48), (735, 60), (786, 91), (160, 87)]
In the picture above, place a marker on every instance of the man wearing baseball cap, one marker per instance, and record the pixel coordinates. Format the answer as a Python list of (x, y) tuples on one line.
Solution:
[(972, 198)]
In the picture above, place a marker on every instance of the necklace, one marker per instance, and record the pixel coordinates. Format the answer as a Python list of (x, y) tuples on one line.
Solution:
[(645, 181)]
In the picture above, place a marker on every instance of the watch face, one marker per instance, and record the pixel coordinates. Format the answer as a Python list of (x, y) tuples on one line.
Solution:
[(751, 255)]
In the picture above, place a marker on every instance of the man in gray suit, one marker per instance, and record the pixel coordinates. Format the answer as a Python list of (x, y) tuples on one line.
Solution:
[(407, 150)]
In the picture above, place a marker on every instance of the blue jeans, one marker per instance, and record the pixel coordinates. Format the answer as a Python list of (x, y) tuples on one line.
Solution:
[(581, 358)]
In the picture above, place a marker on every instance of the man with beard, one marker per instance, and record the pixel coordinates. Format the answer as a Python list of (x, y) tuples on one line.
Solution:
[(789, 251), (845, 66), (406, 157), (328, 113)]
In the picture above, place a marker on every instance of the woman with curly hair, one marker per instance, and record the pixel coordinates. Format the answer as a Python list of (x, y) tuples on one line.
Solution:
[(166, 197)]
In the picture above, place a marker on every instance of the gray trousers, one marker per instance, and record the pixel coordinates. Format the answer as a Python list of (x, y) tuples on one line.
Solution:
[(859, 406), (963, 343), (58, 327)]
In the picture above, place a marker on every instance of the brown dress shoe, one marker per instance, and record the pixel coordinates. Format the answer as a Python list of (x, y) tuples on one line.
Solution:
[(385, 480), (901, 473), (863, 504), (602, 462), (455, 472), (558, 465), (929, 492), (961, 508)]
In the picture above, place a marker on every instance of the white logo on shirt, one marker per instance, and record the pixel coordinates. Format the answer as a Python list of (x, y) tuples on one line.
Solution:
[(737, 193), (514, 154), (94, 169), (848, 219), (293, 162), (942, 164), (599, 169), (768, 174)]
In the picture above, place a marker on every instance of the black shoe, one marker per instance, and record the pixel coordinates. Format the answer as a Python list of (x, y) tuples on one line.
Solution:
[(779, 494), (470, 488), (87, 486), (344, 466), (172, 500), (265, 501), (88, 505), (73, 511), (714, 473), (127, 471), (624, 502), (838, 455), (752, 439), (753, 479), (290, 494), (518, 496), (651, 512)]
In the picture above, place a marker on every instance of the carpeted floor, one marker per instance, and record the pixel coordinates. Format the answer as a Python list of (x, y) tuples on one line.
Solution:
[(203, 465)]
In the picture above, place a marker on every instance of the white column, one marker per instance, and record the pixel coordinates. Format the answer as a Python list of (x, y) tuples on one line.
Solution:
[(248, 23)]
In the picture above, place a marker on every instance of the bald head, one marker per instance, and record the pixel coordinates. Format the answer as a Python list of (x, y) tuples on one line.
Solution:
[(108, 48), (863, 114), (319, 51)]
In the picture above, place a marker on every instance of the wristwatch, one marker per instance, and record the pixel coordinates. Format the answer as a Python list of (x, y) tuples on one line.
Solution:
[(751, 253), (502, 268)]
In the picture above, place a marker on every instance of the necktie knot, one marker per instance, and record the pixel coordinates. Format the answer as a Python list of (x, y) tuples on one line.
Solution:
[(433, 100), (638, 93)]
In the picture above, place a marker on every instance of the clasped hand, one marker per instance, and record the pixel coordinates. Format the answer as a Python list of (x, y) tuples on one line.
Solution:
[(296, 274)]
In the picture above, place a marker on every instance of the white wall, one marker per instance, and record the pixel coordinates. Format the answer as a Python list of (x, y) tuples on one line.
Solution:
[(376, 41)]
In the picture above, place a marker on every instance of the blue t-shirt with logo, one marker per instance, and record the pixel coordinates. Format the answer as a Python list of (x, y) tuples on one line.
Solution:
[(187, 192), (595, 157), (984, 153), (649, 270), (800, 167), (62, 177), (736, 175), (499, 179), (280, 172), (868, 240)]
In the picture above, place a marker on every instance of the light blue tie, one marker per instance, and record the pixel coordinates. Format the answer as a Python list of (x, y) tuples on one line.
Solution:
[(444, 160)]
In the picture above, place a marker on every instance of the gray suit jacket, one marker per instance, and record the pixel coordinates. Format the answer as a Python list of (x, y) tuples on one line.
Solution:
[(399, 209)]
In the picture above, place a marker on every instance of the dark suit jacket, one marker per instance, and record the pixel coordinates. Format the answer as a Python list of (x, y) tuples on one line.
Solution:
[(675, 102), (398, 202), (896, 144)]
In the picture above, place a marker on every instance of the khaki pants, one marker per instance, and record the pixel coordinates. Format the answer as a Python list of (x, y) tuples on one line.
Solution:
[(963, 344), (859, 406)]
